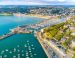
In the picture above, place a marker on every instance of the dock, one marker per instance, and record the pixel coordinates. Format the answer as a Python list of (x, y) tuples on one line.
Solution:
[(17, 30), (6, 35), (29, 28)]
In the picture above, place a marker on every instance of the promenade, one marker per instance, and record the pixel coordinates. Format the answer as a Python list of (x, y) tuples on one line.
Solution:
[(42, 44), (51, 50)]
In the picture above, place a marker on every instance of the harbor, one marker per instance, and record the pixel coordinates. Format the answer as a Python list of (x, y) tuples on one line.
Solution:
[(17, 30), (24, 48), (37, 30), (30, 28), (17, 39)]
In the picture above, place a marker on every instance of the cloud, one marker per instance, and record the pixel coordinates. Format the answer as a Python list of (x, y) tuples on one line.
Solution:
[(22, 3), (37, 2), (61, 0), (71, 1)]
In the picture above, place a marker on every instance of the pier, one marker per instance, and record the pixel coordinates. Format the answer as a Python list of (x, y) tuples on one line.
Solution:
[(17, 30), (20, 30), (6, 35), (30, 28)]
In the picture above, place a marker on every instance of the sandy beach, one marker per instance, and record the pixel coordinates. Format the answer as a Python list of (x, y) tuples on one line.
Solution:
[(35, 15)]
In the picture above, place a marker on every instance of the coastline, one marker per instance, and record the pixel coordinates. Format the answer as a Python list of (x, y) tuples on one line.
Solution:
[(35, 15), (6, 14), (40, 51), (39, 38), (30, 15), (38, 16)]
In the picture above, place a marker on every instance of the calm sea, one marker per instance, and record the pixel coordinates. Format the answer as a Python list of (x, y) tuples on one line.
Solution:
[(19, 45)]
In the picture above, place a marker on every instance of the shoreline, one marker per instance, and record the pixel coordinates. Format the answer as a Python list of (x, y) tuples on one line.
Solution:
[(35, 15), (42, 44), (31, 15), (38, 16)]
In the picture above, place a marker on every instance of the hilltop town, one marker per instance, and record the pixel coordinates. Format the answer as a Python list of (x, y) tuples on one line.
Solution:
[(40, 10)]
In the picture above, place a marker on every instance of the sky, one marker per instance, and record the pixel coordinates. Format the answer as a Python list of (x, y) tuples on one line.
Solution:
[(37, 2)]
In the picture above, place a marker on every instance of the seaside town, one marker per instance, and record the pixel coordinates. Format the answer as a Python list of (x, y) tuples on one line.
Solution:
[(56, 33)]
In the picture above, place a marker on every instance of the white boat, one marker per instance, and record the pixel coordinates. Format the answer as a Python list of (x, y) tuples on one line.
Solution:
[(5, 56), (22, 50), (25, 46), (18, 46), (32, 45), (35, 54), (0, 56), (6, 50), (33, 48), (10, 52), (18, 50), (14, 49), (2, 52), (14, 56), (22, 54)]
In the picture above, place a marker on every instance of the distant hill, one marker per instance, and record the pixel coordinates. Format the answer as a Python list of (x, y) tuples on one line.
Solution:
[(46, 9)]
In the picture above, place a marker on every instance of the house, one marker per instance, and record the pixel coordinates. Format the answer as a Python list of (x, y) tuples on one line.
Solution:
[(73, 33), (42, 30), (72, 45), (63, 39)]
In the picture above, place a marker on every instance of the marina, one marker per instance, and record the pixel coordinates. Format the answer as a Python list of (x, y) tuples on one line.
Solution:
[(27, 46), (24, 48), (36, 27), (19, 44)]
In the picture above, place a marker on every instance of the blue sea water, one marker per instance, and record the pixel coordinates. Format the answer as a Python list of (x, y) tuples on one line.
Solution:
[(19, 45), (9, 22)]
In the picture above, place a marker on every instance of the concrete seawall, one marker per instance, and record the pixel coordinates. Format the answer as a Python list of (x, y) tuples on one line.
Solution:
[(42, 44)]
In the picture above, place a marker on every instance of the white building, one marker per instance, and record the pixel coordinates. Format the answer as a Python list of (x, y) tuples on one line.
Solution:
[(42, 30), (73, 33), (72, 45)]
